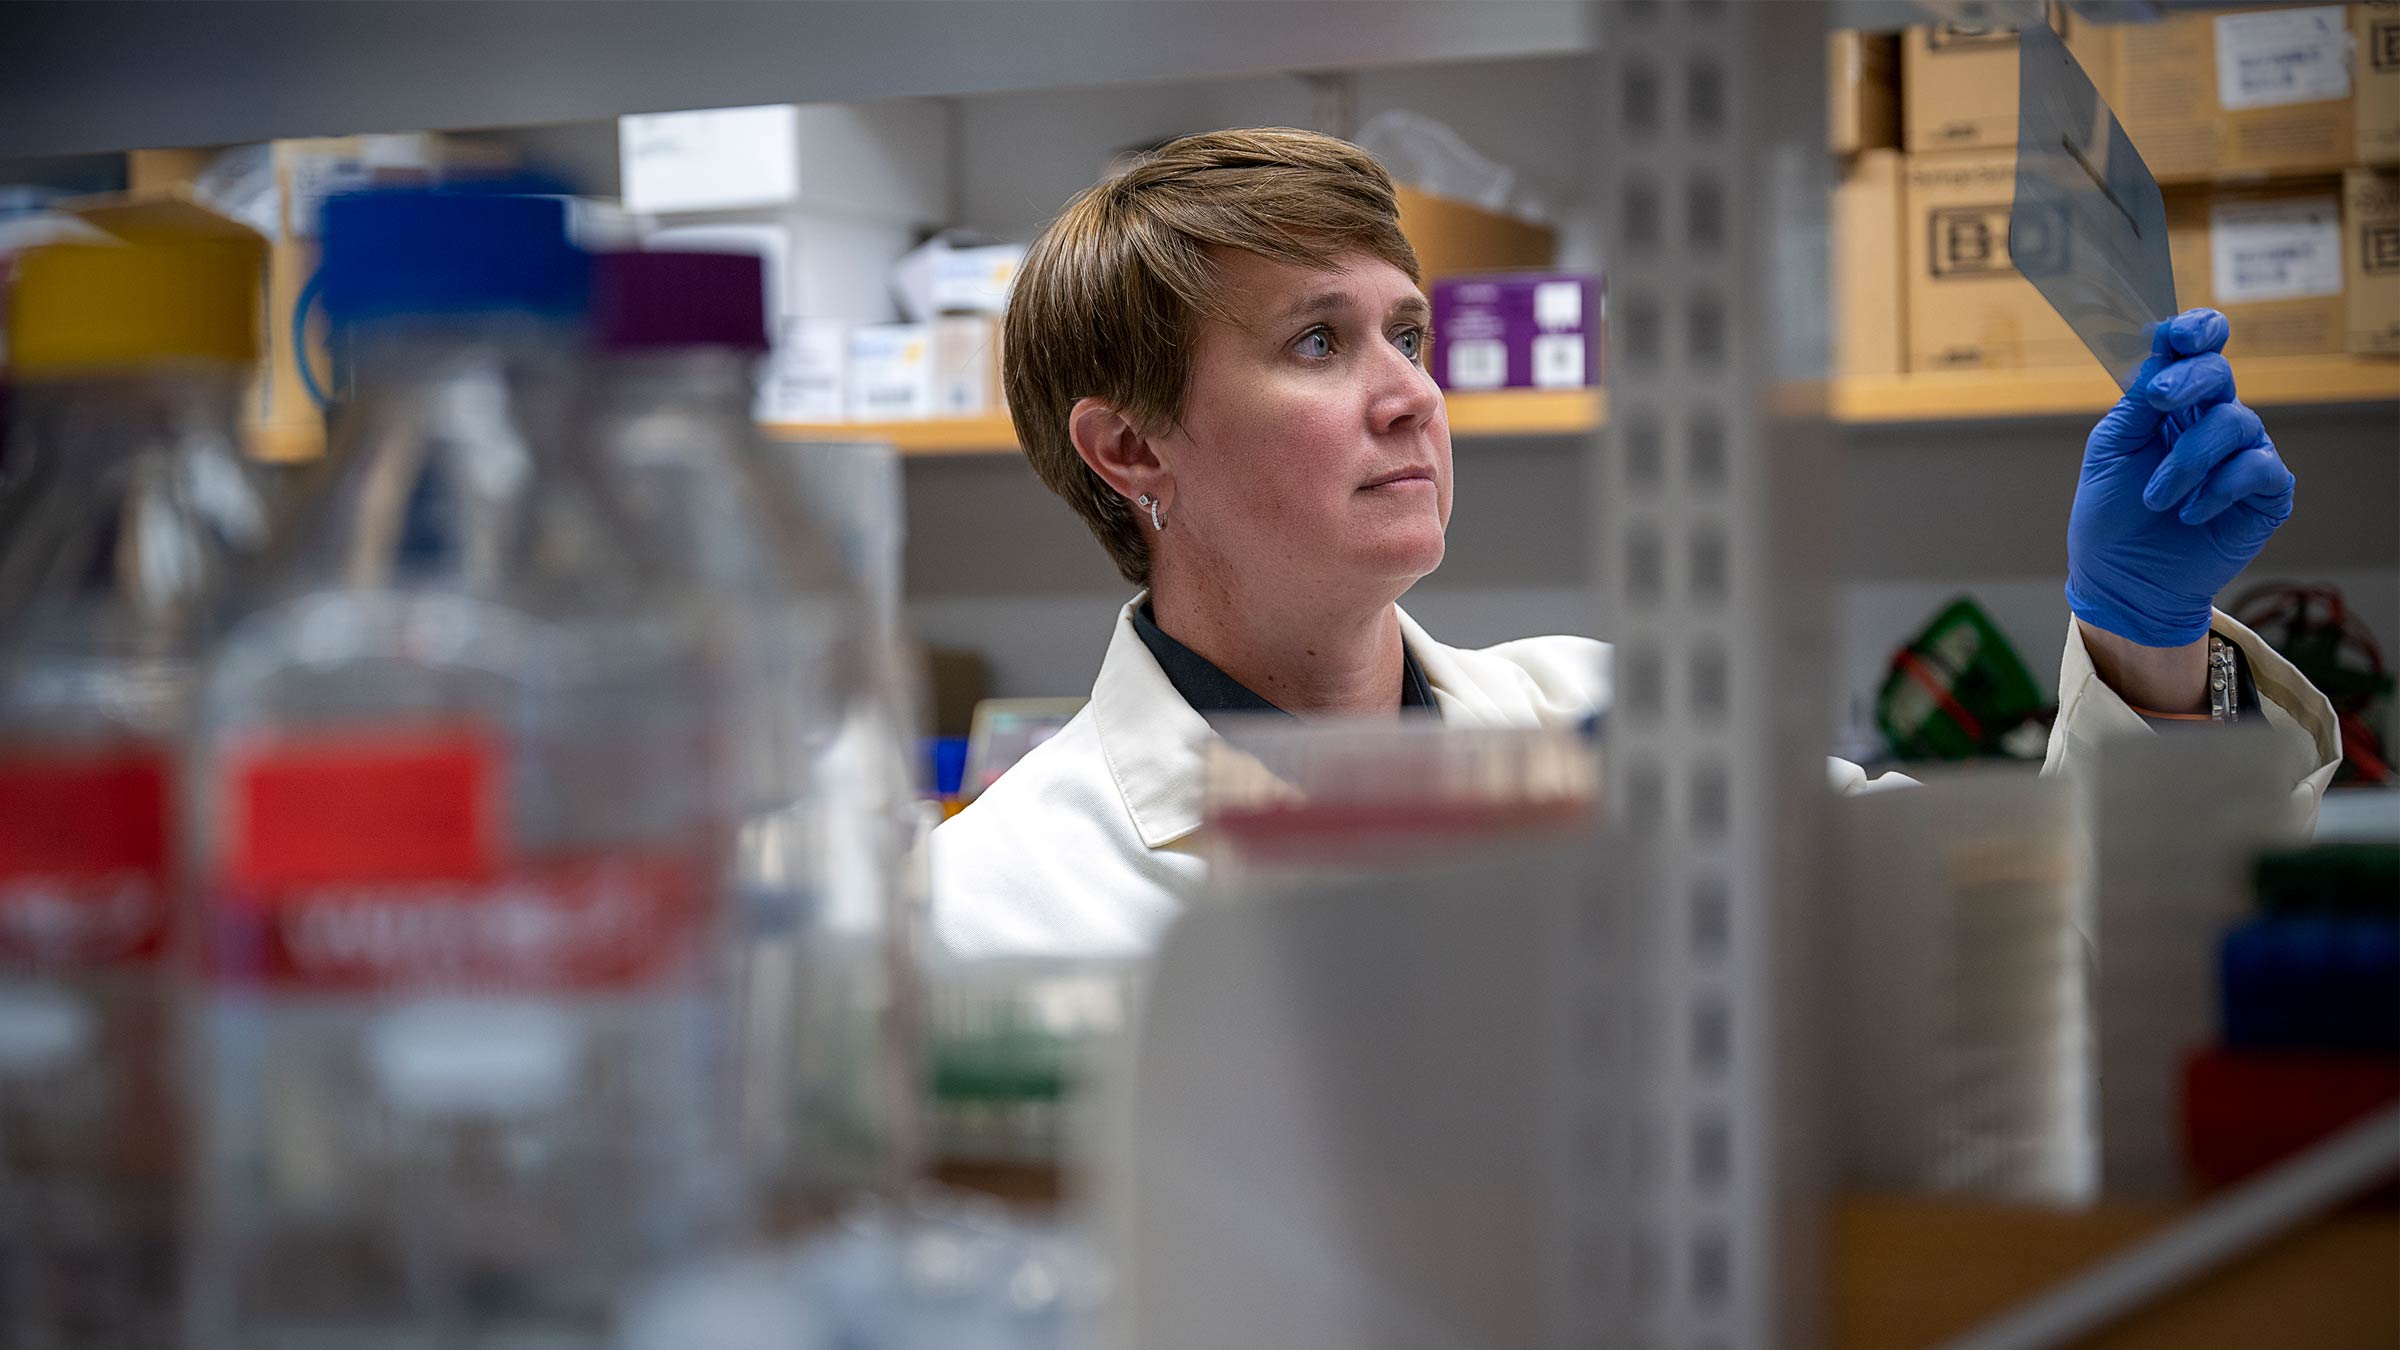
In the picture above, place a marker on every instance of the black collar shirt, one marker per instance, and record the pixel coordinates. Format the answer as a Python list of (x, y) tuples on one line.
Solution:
[(1210, 690)]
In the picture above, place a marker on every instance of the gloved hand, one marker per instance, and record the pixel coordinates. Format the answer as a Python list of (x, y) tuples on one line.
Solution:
[(2180, 489)]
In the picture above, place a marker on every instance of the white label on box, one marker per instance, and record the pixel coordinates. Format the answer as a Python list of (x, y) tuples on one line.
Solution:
[(2282, 56), (1558, 306), (805, 373), (976, 280), (710, 160), (355, 163), (1558, 361), (2275, 250), (1477, 363), (891, 372)]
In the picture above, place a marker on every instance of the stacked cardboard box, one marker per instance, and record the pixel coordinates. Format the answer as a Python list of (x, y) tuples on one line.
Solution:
[(2254, 121), (1862, 85), (2371, 260)]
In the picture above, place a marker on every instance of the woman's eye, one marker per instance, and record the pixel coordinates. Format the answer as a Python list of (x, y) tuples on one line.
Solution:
[(1316, 343)]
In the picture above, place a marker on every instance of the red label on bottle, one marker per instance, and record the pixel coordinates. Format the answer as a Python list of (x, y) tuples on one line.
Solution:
[(380, 862), (367, 807), (84, 849)]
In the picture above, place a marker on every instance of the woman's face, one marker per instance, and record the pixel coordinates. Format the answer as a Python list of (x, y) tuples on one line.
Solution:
[(1314, 453)]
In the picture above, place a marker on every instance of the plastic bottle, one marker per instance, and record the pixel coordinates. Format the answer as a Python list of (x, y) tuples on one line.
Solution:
[(793, 637), (128, 504), (466, 1072)]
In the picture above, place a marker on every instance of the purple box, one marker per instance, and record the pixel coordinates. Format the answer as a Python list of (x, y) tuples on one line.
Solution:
[(1518, 330)]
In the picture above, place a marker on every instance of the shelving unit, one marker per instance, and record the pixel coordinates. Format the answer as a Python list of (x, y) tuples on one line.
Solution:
[(1863, 400), (1939, 396), (1527, 412), (1920, 1270)]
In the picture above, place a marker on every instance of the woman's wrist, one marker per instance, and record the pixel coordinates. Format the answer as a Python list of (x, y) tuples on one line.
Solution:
[(2156, 679)]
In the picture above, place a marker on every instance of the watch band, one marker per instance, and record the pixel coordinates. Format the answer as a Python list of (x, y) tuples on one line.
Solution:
[(2224, 680), (2232, 694)]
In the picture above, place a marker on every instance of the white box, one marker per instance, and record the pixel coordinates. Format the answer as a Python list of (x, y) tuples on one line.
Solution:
[(976, 280), (890, 378), (966, 365), (709, 159), (804, 380)]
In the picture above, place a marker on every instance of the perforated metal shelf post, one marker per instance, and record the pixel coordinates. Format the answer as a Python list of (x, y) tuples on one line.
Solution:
[(1701, 1197)]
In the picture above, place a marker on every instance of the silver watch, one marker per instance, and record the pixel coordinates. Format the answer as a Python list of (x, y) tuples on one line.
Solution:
[(2224, 682)]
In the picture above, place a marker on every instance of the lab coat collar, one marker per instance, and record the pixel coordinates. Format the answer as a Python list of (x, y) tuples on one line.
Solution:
[(1156, 747)]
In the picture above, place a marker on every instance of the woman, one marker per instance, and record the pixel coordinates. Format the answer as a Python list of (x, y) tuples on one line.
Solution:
[(1217, 359)]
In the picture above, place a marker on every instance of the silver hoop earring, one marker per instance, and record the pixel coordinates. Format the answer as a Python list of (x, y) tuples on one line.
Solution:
[(1151, 502)]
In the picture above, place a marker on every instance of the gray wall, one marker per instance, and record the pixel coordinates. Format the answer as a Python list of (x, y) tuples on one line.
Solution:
[(1982, 509), (80, 77), (1022, 155), (998, 564)]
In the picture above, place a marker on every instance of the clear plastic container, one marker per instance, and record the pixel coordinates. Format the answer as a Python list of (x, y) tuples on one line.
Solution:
[(815, 752), (1291, 799), (131, 505), (466, 1060)]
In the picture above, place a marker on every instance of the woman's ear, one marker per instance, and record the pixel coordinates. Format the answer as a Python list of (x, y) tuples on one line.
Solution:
[(1117, 450)]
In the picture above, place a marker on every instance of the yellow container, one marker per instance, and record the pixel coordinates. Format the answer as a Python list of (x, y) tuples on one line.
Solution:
[(85, 308)]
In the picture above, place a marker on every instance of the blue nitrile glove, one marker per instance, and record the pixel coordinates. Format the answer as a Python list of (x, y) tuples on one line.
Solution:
[(2180, 489)]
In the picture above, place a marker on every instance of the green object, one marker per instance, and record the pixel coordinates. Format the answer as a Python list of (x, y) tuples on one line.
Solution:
[(1020, 1065), (1955, 689), (2355, 879)]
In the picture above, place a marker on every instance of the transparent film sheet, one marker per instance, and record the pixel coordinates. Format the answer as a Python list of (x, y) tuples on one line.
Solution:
[(2089, 228)]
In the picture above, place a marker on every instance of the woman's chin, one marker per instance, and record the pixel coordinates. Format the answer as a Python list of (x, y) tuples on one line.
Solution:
[(1406, 554)]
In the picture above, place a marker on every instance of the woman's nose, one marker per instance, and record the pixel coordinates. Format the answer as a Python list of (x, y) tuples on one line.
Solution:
[(1404, 395)]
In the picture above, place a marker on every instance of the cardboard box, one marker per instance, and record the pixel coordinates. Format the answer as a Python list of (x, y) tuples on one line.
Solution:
[(1523, 330), (2269, 257), (1454, 239), (2375, 48), (2371, 260), (1862, 91), (890, 375), (1959, 81), (1869, 320), (2246, 93), (1968, 308), (966, 365)]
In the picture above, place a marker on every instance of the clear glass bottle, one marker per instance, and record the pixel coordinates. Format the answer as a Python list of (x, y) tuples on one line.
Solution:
[(128, 505), (466, 1069), (679, 338)]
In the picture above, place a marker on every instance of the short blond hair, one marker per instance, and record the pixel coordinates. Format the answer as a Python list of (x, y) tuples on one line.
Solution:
[(1112, 294)]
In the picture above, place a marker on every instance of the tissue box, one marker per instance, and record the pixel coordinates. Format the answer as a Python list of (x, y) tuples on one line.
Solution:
[(1517, 330)]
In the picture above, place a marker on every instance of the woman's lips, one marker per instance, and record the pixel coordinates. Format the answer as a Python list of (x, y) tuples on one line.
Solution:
[(1400, 478)]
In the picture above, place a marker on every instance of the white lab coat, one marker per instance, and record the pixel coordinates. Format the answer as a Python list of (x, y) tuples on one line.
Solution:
[(1090, 844)]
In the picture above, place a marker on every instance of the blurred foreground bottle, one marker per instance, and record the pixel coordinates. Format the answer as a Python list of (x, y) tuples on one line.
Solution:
[(461, 859), (127, 504), (793, 635)]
